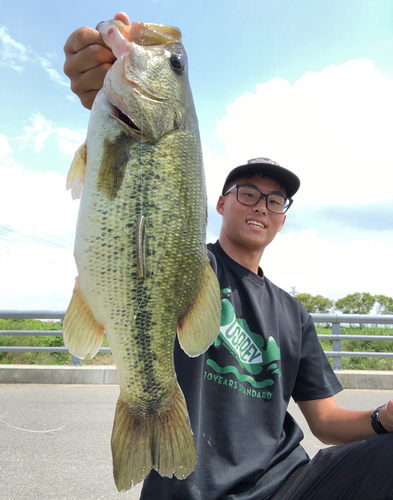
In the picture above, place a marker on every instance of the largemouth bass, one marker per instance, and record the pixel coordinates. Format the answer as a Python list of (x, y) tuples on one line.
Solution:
[(143, 271)]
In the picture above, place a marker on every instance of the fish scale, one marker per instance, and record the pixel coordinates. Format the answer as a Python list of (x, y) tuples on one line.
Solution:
[(143, 271)]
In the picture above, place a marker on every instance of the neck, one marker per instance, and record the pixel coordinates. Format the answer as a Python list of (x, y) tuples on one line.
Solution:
[(246, 257)]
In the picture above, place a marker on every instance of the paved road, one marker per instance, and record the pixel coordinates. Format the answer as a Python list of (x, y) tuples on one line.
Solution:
[(55, 440)]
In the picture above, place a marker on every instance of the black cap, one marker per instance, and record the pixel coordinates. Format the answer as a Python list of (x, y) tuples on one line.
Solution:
[(286, 178)]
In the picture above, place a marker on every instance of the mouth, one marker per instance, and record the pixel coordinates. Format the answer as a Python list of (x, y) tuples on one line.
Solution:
[(125, 119), (254, 223)]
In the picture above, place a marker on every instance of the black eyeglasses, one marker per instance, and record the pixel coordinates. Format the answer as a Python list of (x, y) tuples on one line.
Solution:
[(250, 195)]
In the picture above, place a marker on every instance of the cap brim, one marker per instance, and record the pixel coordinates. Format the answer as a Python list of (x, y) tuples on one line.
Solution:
[(286, 178)]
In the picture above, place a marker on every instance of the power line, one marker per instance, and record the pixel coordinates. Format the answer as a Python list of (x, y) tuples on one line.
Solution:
[(7, 256), (34, 238)]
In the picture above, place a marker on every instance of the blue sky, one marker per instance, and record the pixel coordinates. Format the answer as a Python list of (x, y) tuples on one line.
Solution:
[(306, 83)]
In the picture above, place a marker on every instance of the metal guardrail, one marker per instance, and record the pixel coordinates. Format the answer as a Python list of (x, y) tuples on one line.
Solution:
[(38, 314), (335, 319)]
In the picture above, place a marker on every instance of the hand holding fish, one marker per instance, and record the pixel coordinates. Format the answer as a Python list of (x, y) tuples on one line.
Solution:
[(88, 59)]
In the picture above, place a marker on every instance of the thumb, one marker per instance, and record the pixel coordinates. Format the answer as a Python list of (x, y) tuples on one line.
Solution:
[(122, 16)]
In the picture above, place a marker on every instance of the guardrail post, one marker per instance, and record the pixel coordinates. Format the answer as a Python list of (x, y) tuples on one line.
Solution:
[(337, 362), (75, 361)]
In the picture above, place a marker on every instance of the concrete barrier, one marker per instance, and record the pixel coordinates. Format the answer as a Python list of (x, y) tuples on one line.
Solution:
[(101, 375), (48, 374), (365, 379)]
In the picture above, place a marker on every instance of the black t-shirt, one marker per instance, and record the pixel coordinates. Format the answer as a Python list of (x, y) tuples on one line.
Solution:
[(238, 391)]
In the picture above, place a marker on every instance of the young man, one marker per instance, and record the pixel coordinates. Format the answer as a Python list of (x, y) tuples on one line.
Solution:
[(237, 393)]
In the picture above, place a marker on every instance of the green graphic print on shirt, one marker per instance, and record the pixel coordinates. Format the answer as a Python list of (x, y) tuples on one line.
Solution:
[(246, 346)]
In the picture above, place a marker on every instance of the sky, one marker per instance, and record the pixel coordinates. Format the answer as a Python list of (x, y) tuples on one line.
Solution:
[(307, 83)]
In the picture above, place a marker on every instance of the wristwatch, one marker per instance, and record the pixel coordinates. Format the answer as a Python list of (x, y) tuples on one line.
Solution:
[(376, 423)]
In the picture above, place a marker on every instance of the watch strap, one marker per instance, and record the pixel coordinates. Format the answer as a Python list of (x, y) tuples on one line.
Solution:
[(376, 423)]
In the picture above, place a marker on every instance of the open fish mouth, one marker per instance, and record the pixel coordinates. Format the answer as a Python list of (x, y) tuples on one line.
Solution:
[(126, 119)]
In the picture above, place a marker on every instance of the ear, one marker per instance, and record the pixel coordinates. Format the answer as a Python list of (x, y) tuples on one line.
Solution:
[(282, 224), (220, 204)]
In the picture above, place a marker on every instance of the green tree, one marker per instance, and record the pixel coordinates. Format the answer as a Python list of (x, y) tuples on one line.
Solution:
[(314, 303), (306, 301), (384, 304), (322, 304), (356, 303)]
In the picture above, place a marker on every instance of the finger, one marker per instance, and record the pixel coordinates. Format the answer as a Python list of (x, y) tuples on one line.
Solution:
[(86, 85), (81, 38), (87, 99), (122, 16), (87, 59)]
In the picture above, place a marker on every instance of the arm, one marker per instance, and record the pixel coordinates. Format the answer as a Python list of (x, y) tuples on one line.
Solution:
[(332, 424), (87, 61)]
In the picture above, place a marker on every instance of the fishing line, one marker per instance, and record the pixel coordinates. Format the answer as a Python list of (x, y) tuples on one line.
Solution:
[(141, 139), (39, 432), (142, 184), (142, 180)]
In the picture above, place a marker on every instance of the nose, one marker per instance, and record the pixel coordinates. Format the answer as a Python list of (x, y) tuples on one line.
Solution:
[(261, 205)]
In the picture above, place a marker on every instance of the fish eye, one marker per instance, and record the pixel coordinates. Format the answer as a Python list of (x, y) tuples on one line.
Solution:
[(178, 63)]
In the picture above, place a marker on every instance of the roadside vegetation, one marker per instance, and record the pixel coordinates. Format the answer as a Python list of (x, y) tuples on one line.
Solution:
[(356, 363), (44, 358)]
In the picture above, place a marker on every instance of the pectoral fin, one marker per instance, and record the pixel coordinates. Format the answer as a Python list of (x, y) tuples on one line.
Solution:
[(201, 324), (82, 333), (116, 153), (76, 174)]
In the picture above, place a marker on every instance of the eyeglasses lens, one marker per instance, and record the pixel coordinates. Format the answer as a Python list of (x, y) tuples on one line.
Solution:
[(275, 203)]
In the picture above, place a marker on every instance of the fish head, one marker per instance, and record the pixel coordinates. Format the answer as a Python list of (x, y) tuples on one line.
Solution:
[(148, 83)]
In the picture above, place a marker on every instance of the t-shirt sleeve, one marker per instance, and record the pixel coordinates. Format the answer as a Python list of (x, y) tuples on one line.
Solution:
[(212, 259), (316, 378)]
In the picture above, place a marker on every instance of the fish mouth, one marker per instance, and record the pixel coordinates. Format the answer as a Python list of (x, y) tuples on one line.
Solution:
[(126, 119)]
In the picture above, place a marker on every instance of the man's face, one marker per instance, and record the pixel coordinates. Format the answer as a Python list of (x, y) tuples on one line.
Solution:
[(250, 228)]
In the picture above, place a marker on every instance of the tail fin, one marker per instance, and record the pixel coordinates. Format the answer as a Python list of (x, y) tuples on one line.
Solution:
[(142, 442)]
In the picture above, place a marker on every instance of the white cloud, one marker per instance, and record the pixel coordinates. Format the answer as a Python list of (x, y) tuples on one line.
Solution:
[(69, 140), (12, 53), (5, 148), (39, 129), (332, 128), (216, 169), (15, 55), (330, 268), (37, 226), (36, 201), (53, 74), (72, 97), (38, 132)]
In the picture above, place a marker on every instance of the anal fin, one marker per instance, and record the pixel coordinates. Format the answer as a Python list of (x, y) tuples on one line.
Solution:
[(201, 324), (82, 333)]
